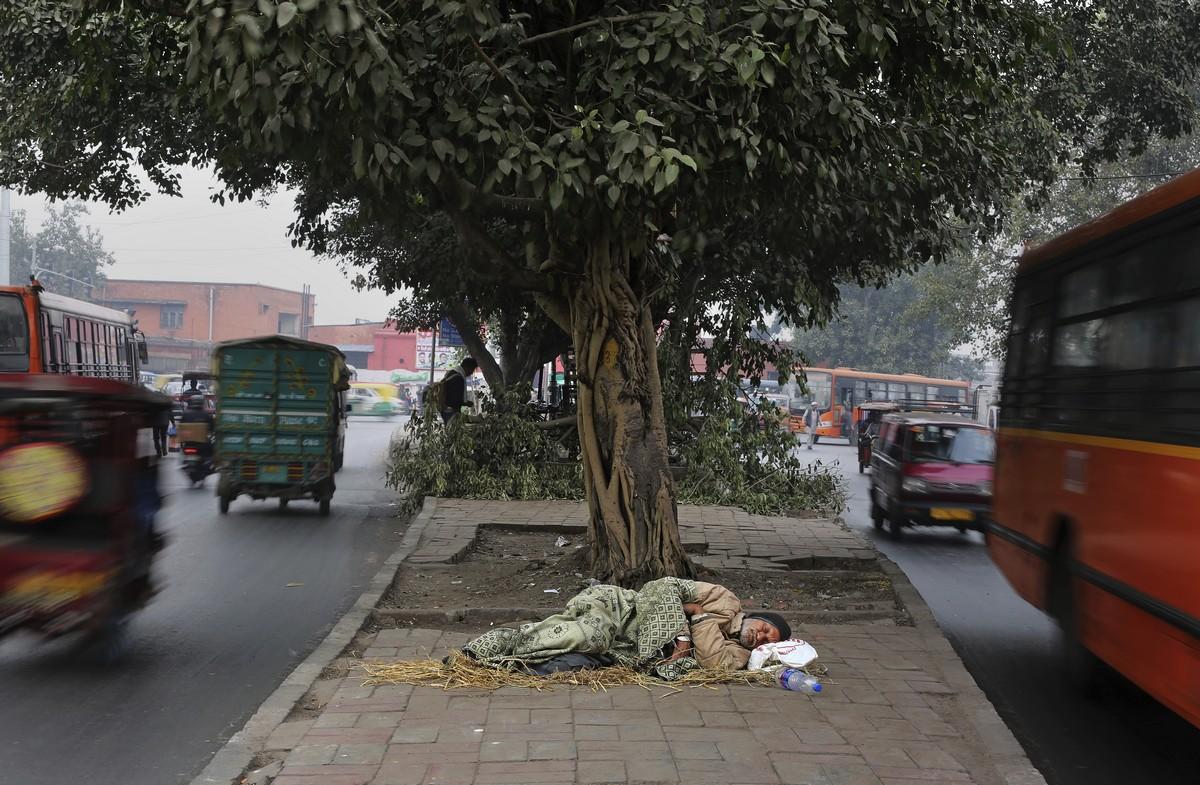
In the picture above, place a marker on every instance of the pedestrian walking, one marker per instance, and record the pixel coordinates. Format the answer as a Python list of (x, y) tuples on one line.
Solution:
[(812, 419), (162, 421)]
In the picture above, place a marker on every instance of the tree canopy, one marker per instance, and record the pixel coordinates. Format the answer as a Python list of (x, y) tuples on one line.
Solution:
[(649, 156), (70, 255)]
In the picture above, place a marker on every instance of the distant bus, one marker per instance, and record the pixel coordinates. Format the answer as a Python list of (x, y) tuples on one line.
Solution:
[(1097, 493), (839, 391), (41, 332)]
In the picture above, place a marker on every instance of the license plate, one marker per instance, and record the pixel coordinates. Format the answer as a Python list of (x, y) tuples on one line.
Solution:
[(947, 514)]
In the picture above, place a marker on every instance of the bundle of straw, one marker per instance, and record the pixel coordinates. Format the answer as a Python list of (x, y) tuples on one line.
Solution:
[(460, 672)]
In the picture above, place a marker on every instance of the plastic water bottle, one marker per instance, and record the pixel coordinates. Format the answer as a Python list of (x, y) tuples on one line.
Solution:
[(798, 681)]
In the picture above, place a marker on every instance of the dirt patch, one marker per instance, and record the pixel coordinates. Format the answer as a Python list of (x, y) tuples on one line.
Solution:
[(509, 569)]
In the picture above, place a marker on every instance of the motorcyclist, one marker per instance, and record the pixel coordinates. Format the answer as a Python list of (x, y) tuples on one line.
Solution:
[(197, 412)]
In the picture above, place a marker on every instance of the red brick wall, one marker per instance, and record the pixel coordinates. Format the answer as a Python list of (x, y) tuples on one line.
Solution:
[(394, 350), (345, 334), (239, 310)]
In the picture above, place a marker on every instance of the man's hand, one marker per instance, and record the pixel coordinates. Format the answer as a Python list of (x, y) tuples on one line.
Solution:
[(682, 649), (692, 609)]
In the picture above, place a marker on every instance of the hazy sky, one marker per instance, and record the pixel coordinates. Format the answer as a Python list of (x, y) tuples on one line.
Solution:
[(192, 239)]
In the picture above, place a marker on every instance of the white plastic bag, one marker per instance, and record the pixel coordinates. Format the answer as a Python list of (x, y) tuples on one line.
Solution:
[(792, 653)]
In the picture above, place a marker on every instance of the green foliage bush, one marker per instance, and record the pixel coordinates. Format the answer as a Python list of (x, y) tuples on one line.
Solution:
[(504, 454), (728, 453), (723, 458)]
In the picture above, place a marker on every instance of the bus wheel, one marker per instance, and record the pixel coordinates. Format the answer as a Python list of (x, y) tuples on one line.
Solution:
[(877, 515), (1083, 669)]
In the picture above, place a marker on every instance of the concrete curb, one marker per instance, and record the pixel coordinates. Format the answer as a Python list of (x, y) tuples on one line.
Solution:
[(1002, 748), (236, 754), (441, 616)]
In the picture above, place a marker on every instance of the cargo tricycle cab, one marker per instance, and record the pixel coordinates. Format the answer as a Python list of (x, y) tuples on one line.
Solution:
[(280, 419)]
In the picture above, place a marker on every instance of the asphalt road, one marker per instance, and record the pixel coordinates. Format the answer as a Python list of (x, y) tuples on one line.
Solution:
[(245, 598), (1122, 737)]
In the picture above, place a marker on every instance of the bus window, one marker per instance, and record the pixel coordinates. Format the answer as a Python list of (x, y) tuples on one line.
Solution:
[(819, 388), (896, 391), (1134, 339), (1185, 349), (1078, 345), (877, 391), (14, 335), (1083, 291)]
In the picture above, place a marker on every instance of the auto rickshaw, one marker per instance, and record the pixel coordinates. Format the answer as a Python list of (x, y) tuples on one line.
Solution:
[(195, 433), (869, 419), (78, 496)]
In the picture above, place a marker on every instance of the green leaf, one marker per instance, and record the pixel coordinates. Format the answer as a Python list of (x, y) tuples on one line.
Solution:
[(650, 167), (443, 148), (641, 116), (672, 173), (687, 160), (556, 194), (614, 194), (285, 14), (381, 151), (664, 49), (627, 143), (767, 71), (434, 170), (643, 55)]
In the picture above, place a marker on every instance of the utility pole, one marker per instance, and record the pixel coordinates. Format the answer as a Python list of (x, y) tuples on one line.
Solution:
[(5, 237)]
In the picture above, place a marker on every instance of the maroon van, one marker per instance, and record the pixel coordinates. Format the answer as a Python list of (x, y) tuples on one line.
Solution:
[(930, 469)]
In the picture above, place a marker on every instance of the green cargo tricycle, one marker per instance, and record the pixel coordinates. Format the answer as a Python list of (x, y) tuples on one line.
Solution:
[(280, 420)]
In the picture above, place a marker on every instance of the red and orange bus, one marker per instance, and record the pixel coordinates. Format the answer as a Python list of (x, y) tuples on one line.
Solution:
[(1097, 493), (41, 332), (838, 391)]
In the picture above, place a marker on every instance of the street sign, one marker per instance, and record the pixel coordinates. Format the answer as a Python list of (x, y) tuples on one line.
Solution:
[(448, 334)]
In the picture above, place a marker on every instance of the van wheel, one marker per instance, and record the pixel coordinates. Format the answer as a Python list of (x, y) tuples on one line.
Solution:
[(1083, 669), (324, 508), (877, 516)]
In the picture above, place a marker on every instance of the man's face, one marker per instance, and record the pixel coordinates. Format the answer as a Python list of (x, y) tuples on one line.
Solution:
[(756, 632)]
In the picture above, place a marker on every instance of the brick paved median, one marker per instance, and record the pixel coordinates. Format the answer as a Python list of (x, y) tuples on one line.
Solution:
[(898, 707), (886, 717)]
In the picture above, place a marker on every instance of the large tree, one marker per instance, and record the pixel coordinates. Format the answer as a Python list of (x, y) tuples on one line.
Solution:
[(771, 148), (69, 254)]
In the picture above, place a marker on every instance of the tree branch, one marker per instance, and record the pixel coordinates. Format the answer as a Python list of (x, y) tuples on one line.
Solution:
[(496, 70), (512, 273), (609, 20), (468, 328), (468, 196)]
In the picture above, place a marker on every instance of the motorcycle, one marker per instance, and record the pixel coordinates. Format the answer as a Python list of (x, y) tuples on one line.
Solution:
[(198, 461)]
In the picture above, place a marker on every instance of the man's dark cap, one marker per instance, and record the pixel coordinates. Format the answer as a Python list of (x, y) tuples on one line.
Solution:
[(775, 620)]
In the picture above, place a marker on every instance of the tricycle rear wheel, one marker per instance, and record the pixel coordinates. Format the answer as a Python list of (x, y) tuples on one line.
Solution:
[(224, 504), (283, 503), (324, 506)]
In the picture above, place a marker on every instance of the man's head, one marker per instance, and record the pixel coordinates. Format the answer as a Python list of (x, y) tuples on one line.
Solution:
[(469, 365), (763, 627)]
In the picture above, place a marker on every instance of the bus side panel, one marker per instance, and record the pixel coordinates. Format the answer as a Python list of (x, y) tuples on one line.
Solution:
[(1131, 510)]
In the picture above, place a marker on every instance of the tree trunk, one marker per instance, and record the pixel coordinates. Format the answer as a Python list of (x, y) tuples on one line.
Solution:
[(634, 524)]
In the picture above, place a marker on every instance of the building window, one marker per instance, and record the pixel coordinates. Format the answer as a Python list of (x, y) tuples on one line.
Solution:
[(170, 317), (289, 324)]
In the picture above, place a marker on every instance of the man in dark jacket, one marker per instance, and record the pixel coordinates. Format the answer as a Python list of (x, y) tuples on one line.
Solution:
[(454, 388)]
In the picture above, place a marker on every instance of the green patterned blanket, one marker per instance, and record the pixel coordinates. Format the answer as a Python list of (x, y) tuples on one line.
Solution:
[(631, 627)]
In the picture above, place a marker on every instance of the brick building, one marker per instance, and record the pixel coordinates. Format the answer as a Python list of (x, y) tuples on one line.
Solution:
[(376, 346), (183, 319)]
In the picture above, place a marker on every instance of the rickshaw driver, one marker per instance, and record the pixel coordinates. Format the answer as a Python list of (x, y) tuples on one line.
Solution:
[(197, 412)]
